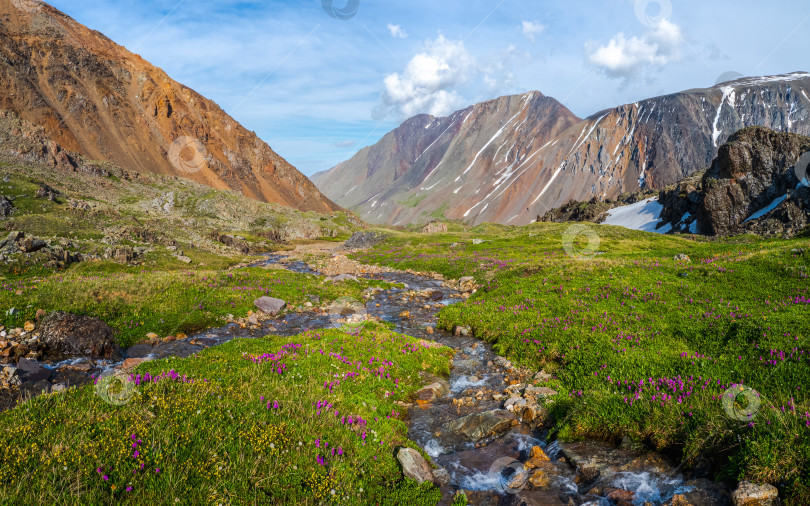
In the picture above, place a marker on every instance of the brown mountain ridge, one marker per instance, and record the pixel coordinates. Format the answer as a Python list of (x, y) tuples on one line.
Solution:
[(98, 99)]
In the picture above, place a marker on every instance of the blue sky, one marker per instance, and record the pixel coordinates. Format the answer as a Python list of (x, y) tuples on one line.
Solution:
[(317, 88)]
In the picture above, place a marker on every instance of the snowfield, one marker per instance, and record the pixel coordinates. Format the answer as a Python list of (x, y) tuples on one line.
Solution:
[(644, 215)]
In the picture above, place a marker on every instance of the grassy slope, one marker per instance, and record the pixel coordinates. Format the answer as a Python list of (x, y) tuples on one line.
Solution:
[(240, 429), (644, 346), (163, 294)]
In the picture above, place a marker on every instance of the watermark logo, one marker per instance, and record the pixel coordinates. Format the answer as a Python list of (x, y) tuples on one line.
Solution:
[(187, 154), (348, 314), (653, 12), (115, 387), (345, 13), (580, 241), (801, 169), (741, 403), (510, 475)]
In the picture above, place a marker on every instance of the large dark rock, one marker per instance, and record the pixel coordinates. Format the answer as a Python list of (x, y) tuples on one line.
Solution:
[(756, 168), (69, 335)]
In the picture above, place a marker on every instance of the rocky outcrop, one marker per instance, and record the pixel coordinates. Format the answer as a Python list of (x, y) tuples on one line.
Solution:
[(751, 186), (93, 97), (69, 335), (512, 159), (365, 239)]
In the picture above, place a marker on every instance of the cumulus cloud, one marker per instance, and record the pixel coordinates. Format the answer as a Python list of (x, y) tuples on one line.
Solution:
[(429, 83), (531, 29), (626, 58), (396, 31)]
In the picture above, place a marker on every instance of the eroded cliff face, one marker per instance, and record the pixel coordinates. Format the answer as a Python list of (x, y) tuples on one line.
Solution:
[(514, 158), (752, 186), (94, 97)]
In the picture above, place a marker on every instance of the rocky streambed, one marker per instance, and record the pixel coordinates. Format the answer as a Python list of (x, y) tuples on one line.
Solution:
[(485, 427)]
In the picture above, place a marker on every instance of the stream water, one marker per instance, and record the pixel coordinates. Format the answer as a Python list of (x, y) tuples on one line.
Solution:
[(589, 473)]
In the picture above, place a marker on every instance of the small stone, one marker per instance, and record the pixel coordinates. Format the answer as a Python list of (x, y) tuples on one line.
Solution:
[(151, 335), (442, 476), (29, 326), (429, 330)]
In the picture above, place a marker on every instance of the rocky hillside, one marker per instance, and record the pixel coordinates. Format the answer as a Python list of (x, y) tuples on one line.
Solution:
[(58, 208), (512, 159), (93, 97), (752, 186)]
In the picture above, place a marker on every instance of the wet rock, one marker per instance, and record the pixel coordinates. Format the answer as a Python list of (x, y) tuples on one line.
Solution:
[(69, 335), (514, 403), (414, 465), (131, 363), (31, 371), (481, 425), (754, 494), (433, 391), (442, 476), (536, 457), (538, 498), (620, 495), (461, 331), (703, 493), (269, 305), (365, 239)]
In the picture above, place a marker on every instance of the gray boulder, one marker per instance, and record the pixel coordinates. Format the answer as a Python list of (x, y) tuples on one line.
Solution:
[(481, 425), (269, 305), (414, 465)]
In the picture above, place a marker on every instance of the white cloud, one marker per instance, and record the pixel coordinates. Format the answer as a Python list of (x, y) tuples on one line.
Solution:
[(396, 31), (428, 83), (532, 29), (624, 58)]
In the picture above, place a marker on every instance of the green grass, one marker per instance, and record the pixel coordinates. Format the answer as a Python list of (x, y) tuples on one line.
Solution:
[(220, 439), (136, 302), (605, 323)]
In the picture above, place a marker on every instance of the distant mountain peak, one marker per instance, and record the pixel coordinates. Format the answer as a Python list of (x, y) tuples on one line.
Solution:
[(510, 159)]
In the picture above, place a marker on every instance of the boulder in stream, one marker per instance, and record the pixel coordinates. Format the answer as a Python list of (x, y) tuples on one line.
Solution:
[(414, 466), (269, 305), (70, 335), (478, 426)]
